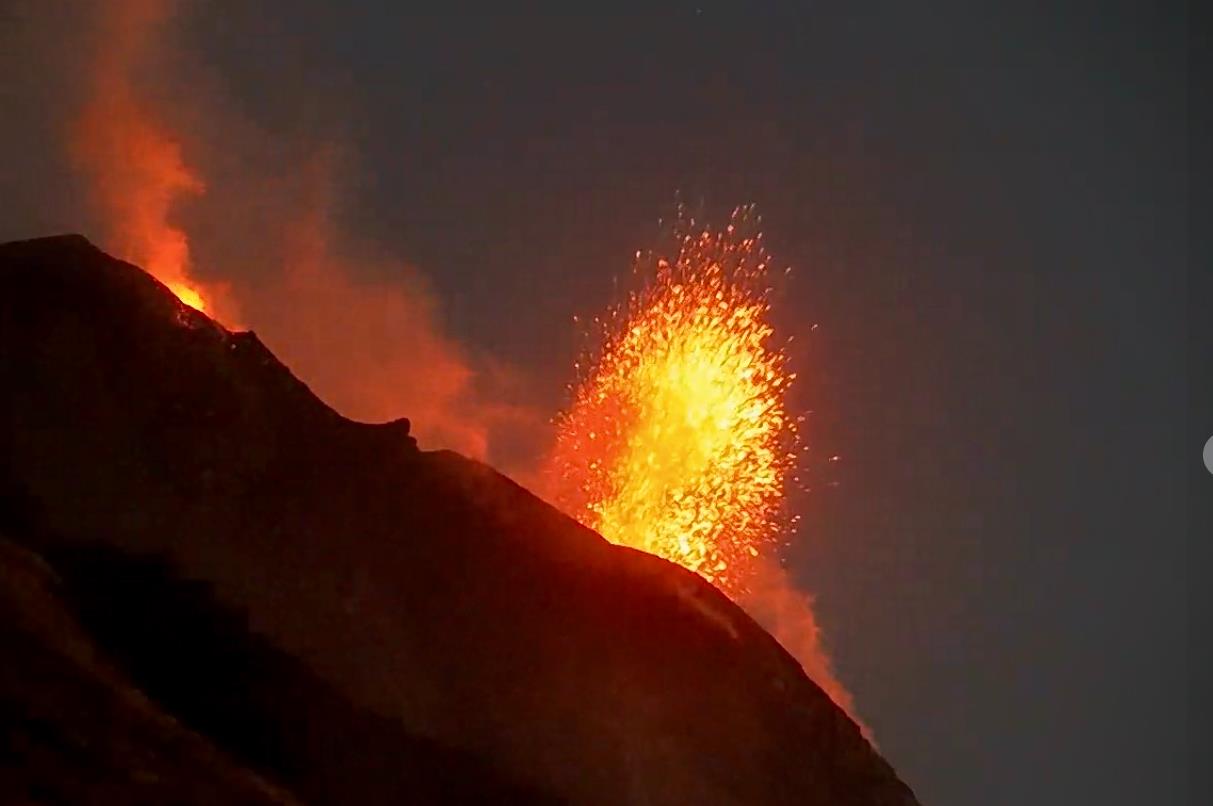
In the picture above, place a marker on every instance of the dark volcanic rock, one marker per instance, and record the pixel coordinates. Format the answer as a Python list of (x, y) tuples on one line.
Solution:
[(428, 609), (73, 730)]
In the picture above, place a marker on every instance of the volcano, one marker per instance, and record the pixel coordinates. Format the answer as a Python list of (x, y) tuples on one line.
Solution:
[(214, 588)]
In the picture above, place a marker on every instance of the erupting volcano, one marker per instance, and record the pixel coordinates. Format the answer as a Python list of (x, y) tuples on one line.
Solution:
[(224, 591), (678, 440)]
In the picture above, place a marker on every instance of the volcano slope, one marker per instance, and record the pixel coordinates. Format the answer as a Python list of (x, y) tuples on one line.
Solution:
[(348, 618)]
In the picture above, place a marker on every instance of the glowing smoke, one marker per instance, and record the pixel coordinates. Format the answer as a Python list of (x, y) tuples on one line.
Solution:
[(135, 165), (775, 602), (373, 350)]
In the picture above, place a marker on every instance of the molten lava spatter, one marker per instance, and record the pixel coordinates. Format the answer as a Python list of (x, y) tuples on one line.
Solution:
[(678, 441)]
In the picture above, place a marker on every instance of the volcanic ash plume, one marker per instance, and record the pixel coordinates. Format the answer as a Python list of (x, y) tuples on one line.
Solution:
[(135, 165), (678, 440)]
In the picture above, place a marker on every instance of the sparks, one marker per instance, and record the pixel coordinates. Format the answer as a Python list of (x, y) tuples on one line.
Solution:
[(677, 441)]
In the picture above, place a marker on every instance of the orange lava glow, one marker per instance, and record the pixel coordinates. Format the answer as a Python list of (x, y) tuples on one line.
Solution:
[(678, 441), (189, 295)]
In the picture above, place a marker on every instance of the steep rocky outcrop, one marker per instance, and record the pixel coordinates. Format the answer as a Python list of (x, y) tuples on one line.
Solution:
[(392, 609)]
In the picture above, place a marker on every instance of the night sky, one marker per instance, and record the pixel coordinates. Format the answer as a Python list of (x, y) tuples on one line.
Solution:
[(985, 209)]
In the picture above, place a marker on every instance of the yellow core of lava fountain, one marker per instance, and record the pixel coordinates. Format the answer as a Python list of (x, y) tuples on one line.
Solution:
[(678, 441), (189, 295)]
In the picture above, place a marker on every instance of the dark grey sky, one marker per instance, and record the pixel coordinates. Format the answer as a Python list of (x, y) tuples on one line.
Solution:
[(985, 207)]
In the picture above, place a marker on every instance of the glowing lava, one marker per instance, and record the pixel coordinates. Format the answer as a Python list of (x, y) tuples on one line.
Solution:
[(678, 441)]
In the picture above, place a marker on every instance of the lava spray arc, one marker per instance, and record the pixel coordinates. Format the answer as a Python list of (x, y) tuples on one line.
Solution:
[(678, 440)]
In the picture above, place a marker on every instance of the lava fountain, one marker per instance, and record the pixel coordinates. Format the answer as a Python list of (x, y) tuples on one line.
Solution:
[(678, 440)]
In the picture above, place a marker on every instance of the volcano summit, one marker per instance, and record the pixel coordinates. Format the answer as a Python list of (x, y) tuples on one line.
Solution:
[(330, 614)]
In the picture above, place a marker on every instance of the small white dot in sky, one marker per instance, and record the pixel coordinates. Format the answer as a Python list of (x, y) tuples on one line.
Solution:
[(1209, 455)]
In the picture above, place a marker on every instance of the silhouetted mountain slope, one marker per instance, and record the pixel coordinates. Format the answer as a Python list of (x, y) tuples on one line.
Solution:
[(425, 606), (73, 730), (200, 662)]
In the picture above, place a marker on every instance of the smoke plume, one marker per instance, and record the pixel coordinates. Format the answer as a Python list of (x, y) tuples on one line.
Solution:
[(786, 611), (135, 166), (371, 348)]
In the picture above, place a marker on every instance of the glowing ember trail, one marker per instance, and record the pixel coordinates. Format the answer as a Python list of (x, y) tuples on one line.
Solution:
[(678, 441)]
